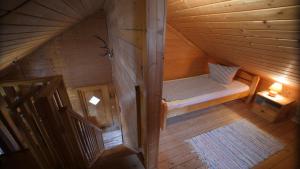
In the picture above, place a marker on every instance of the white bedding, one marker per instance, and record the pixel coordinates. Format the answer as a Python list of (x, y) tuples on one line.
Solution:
[(188, 91)]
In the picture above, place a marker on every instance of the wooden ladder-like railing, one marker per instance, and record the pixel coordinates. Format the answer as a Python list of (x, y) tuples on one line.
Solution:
[(89, 138), (41, 116)]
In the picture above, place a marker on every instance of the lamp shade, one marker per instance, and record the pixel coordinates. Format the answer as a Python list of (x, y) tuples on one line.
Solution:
[(276, 87)]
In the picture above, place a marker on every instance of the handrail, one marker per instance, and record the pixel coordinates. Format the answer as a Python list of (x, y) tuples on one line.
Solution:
[(27, 81), (79, 117), (45, 82)]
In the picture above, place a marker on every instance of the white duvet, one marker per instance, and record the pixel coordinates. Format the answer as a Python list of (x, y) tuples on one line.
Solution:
[(188, 91)]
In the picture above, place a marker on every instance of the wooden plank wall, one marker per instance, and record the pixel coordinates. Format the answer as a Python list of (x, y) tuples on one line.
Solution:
[(181, 57), (26, 25), (261, 36), (126, 30), (76, 54)]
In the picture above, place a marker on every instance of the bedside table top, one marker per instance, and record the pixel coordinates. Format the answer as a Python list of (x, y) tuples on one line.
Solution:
[(278, 98)]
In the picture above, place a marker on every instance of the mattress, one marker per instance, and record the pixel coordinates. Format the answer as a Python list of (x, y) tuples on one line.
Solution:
[(197, 89)]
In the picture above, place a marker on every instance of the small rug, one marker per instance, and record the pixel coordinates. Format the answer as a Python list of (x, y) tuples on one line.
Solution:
[(239, 145)]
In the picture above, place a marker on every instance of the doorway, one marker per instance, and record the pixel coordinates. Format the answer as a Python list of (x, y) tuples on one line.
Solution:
[(98, 105)]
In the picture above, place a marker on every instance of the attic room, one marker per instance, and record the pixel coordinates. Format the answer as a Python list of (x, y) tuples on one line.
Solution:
[(149, 84)]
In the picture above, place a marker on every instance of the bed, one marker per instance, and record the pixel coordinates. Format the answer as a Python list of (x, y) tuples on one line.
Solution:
[(185, 95)]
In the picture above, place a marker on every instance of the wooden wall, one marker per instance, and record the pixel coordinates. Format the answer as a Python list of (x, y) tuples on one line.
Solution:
[(26, 25), (261, 36), (76, 54), (126, 29), (181, 57)]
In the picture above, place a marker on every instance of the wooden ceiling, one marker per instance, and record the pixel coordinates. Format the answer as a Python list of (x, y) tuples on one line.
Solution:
[(26, 24), (259, 35)]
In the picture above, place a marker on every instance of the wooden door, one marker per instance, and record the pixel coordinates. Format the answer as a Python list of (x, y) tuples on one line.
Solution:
[(97, 106)]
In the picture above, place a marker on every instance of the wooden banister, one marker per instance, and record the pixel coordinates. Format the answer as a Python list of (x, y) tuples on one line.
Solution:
[(88, 136), (57, 136)]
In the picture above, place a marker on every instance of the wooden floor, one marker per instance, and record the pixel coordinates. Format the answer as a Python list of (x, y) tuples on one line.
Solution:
[(176, 154)]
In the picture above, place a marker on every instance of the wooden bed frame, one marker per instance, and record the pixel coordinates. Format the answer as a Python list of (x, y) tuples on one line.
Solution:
[(242, 76)]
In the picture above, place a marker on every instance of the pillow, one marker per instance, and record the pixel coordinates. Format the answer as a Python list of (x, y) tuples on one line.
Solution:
[(222, 74)]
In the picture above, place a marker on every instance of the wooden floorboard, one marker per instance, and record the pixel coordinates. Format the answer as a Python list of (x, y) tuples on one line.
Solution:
[(174, 153)]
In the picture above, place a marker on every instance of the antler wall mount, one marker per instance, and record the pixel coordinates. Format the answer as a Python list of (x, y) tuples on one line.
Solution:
[(108, 51)]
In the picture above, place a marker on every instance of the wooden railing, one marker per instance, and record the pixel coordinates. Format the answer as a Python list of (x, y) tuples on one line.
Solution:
[(89, 137), (40, 112)]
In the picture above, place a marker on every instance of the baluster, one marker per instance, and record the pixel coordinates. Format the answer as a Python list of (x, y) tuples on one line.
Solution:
[(82, 136), (96, 144), (85, 132), (91, 141), (57, 95)]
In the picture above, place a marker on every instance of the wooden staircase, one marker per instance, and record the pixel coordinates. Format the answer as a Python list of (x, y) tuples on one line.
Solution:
[(119, 157), (42, 120)]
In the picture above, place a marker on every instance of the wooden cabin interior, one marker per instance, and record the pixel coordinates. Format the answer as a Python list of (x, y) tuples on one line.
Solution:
[(149, 84)]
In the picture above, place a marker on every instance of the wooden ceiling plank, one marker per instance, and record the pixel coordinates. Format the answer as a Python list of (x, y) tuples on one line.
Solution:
[(32, 31), (257, 40), (77, 6), (263, 47), (14, 54), (261, 59), (15, 48), (60, 6), (282, 57), (288, 25), (29, 26), (246, 64), (192, 3), (8, 29), (266, 68), (282, 13), (238, 46), (276, 34), (96, 4), (215, 52), (36, 10), (254, 45), (257, 57), (64, 14), (27, 20), (86, 4), (234, 6), (8, 59), (8, 37), (20, 41), (259, 35), (11, 4)]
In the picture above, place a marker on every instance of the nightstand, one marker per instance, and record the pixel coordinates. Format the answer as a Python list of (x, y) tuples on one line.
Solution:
[(271, 108)]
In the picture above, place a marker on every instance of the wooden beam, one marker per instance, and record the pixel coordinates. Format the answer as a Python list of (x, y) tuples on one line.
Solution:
[(156, 25)]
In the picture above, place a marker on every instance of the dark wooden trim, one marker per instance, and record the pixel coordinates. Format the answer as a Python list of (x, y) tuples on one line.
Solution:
[(139, 114)]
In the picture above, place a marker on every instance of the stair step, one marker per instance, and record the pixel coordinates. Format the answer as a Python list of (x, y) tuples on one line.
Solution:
[(123, 162), (118, 151), (119, 157)]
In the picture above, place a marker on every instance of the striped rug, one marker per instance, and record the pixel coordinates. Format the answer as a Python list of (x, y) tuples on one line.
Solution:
[(239, 145)]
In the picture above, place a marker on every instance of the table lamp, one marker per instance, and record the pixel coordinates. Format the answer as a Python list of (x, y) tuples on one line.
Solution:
[(274, 89)]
